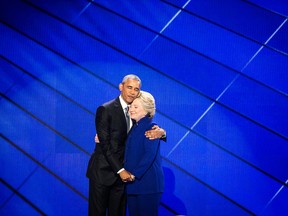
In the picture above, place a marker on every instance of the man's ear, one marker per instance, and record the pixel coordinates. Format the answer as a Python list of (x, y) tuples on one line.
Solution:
[(120, 86)]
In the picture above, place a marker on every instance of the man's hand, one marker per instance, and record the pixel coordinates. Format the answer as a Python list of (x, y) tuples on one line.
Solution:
[(155, 133), (96, 139), (126, 176)]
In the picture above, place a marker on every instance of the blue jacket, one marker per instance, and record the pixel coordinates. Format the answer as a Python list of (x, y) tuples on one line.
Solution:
[(143, 159)]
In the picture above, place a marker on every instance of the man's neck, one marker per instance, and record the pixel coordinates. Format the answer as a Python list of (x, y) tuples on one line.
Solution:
[(123, 102)]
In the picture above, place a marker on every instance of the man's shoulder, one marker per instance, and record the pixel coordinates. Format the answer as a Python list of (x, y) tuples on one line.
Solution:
[(112, 103), (109, 106)]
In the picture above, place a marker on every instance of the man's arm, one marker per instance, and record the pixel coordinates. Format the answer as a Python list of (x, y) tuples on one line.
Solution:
[(156, 133), (105, 144), (108, 148)]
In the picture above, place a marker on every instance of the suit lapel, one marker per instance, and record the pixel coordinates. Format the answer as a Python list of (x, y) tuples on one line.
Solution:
[(119, 111)]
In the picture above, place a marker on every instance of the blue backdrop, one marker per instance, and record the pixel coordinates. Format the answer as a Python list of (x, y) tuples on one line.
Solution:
[(217, 69)]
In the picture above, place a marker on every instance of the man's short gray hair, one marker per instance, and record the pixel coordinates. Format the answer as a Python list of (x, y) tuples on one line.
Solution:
[(133, 77)]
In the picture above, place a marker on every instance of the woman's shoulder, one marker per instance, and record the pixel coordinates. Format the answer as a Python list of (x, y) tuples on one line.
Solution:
[(150, 125)]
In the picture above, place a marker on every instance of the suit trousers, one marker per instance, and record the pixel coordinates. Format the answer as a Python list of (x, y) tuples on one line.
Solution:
[(106, 199)]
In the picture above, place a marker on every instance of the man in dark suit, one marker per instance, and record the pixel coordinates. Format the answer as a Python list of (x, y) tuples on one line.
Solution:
[(105, 169)]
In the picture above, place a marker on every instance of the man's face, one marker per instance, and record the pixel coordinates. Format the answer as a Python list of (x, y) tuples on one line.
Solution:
[(129, 90)]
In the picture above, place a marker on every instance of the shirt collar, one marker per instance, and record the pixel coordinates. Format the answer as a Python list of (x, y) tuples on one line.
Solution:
[(122, 102)]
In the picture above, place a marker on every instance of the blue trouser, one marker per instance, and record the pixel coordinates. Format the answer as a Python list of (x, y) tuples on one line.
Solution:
[(143, 204)]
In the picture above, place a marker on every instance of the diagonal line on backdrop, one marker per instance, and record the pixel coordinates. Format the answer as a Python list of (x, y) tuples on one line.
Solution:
[(208, 186), (168, 23), (45, 84), (266, 42), (45, 124), (15, 191), (40, 164), (275, 195)]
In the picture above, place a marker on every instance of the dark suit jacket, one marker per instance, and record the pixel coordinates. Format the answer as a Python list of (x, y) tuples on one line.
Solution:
[(108, 156)]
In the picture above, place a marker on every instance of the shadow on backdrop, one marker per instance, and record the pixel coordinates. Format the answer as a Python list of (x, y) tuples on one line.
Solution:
[(169, 200)]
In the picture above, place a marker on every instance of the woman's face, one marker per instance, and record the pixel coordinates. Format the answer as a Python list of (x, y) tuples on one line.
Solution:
[(136, 110)]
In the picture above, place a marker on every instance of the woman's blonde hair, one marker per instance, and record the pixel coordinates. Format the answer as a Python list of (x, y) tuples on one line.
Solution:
[(148, 103)]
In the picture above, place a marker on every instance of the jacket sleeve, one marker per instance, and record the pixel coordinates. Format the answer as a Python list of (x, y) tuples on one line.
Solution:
[(103, 129), (151, 148)]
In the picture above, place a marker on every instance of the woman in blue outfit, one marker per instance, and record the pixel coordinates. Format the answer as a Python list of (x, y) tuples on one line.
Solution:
[(143, 160)]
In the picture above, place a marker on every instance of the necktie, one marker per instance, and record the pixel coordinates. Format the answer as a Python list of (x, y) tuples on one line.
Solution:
[(127, 118)]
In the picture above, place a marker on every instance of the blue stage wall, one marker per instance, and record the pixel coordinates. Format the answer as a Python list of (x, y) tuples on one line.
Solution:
[(217, 69)]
